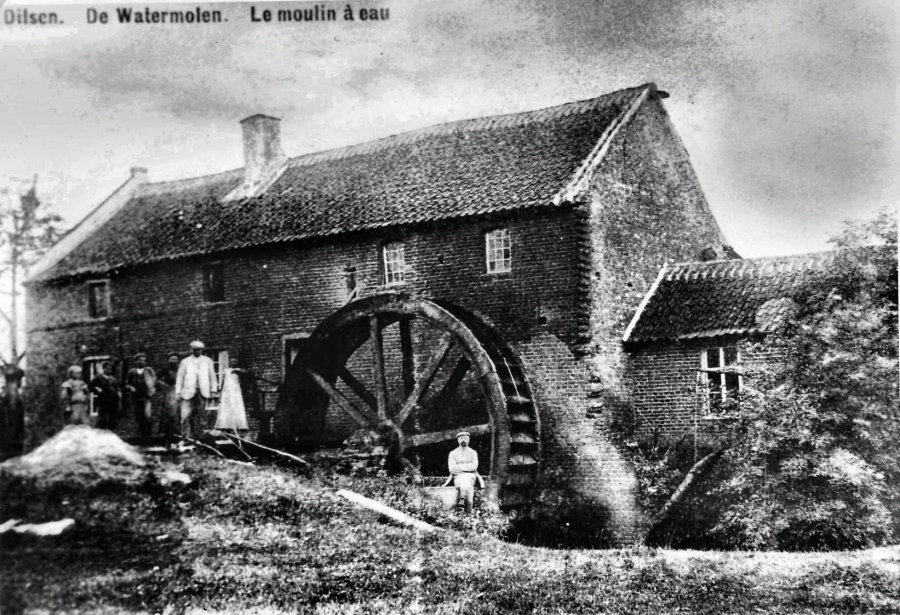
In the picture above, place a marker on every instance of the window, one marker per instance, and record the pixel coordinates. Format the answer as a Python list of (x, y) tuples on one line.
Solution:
[(499, 251), (220, 362), (394, 263), (98, 299), (720, 366), (214, 282)]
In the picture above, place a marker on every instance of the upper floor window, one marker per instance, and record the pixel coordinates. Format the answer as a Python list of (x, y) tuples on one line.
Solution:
[(394, 263), (723, 378), (498, 248), (98, 299), (214, 282)]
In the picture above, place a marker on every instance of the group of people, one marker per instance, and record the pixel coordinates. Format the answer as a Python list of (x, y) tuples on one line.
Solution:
[(186, 387)]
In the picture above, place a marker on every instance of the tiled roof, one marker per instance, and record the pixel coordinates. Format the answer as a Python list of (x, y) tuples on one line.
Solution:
[(727, 297), (451, 170)]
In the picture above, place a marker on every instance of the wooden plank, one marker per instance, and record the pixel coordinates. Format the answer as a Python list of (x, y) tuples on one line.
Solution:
[(381, 396), (434, 437), (387, 511), (342, 402), (358, 387), (424, 381)]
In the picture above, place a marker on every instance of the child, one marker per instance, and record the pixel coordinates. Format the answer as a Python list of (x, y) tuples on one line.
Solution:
[(75, 397)]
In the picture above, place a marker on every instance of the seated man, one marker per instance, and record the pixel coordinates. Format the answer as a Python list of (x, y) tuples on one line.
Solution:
[(463, 465)]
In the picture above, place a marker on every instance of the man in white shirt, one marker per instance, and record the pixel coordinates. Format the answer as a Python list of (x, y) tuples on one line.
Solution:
[(463, 466), (196, 383)]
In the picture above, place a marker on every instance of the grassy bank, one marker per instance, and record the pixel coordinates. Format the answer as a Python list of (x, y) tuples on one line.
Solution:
[(244, 539)]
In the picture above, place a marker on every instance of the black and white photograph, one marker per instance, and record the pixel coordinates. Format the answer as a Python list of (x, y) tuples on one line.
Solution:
[(463, 307)]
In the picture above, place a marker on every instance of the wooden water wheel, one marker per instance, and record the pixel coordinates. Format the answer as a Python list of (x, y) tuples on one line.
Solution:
[(427, 372)]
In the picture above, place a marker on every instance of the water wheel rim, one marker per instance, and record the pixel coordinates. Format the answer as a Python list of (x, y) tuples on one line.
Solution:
[(378, 312)]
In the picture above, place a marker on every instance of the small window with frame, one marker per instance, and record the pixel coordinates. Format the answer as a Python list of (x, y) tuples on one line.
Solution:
[(394, 261), (98, 299), (214, 282), (498, 251), (721, 370)]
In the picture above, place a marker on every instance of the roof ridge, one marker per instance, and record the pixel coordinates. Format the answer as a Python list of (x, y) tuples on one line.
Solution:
[(760, 260), (482, 122), (741, 267)]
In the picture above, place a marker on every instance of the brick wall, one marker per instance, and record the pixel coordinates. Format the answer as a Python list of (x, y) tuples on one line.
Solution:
[(647, 208), (287, 290), (667, 398)]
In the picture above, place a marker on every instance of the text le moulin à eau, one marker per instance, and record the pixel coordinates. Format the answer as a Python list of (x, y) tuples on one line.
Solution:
[(306, 12)]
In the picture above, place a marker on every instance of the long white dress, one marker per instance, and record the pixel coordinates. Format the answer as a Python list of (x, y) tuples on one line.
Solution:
[(232, 414)]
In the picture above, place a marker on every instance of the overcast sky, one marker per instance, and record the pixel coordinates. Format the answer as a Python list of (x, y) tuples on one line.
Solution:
[(788, 109)]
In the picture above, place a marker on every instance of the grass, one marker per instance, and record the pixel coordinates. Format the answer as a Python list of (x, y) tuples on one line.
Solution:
[(246, 539)]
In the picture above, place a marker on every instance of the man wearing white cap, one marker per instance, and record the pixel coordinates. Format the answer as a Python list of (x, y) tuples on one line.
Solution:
[(463, 465), (196, 383)]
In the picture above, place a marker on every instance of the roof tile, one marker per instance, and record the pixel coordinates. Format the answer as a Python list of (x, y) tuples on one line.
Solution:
[(740, 296), (465, 168)]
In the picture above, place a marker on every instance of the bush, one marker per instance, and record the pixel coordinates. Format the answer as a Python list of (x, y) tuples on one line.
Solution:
[(813, 463)]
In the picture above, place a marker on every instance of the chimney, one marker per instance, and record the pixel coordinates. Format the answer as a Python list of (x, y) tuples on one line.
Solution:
[(263, 158), (262, 147)]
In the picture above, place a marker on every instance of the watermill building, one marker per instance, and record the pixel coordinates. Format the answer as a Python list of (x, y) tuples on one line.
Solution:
[(478, 274)]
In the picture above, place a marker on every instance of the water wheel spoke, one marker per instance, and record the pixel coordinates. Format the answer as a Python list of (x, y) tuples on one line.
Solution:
[(364, 418), (459, 372), (381, 395), (422, 384), (434, 437), (358, 387), (406, 353)]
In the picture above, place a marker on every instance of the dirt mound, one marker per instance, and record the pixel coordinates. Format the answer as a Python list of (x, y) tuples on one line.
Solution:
[(79, 456)]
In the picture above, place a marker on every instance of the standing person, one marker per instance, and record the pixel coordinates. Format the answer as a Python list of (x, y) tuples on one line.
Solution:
[(196, 384), (232, 414), (106, 390), (141, 383), (75, 397), (463, 465), (171, 419)]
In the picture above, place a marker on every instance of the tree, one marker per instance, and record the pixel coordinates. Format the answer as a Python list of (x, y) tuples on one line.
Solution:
[(27, 230), (812, 460)]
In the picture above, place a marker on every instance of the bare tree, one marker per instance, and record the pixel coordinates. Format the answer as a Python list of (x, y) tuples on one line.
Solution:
[(27, 230)]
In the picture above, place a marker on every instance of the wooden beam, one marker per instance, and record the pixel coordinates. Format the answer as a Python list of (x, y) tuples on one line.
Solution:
[(434, 437), (381, 396), (424, 381), (358, 387), (362, 418), (459, 372), (406, 352)]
